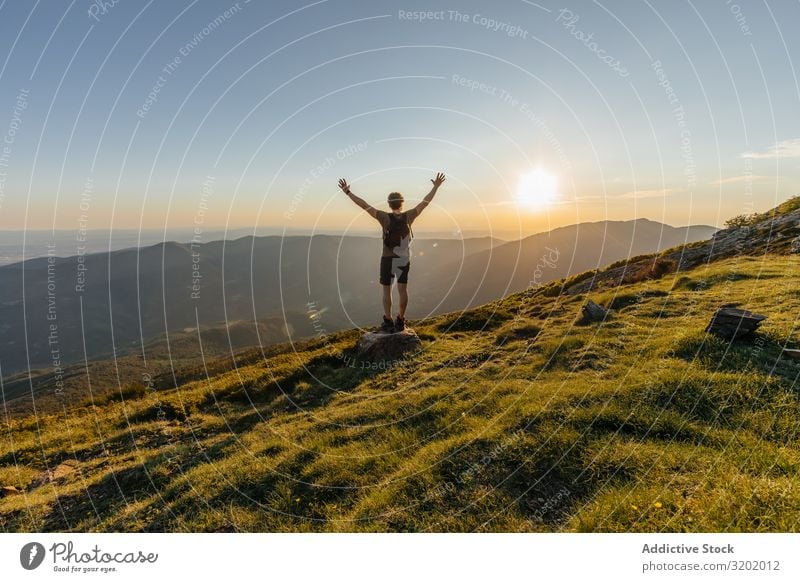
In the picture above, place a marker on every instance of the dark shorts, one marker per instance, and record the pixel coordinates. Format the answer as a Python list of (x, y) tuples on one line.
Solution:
[(392, 267)]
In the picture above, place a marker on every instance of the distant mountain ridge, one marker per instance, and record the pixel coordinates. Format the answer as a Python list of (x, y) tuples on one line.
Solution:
[(564, 251), (133, 296)]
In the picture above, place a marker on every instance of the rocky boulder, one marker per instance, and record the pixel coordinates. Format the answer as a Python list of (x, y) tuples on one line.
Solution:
[(793, 354), (591, 312), (377, 346), (9, 490), (730, 323)]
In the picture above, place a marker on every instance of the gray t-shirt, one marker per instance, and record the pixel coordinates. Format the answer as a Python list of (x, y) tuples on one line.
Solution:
[(404, 249)]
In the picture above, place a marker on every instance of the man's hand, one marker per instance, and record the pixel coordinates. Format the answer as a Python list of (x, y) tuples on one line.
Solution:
[(362, 203), (427, 200)]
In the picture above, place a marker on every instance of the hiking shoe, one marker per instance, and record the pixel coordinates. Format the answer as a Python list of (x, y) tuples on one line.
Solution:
[(387, 326), (400, 324)]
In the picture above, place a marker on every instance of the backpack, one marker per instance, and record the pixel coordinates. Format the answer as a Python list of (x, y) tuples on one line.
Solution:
[(397, 230)]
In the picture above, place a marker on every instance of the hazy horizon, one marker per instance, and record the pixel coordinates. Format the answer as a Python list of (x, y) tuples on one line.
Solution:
[(64, 243)]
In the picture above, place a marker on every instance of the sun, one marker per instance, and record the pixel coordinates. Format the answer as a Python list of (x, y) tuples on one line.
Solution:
[(537, 189)]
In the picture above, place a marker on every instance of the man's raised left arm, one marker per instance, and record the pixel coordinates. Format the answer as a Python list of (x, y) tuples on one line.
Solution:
[(437, 182)]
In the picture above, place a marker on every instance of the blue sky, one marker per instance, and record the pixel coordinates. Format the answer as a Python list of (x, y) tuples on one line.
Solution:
[(674, 111)]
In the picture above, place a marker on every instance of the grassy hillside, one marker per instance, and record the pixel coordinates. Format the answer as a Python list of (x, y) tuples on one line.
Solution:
[(511, 418), (165, 359)]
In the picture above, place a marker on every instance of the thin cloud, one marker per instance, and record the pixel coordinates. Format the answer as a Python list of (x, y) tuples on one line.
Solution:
[(737, 179), (788, 148)]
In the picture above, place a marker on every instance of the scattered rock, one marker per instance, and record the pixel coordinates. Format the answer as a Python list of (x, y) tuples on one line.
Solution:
[(467, 361), (793, 354), (388, 347), (9, 490), (730, 323), (592, 312)]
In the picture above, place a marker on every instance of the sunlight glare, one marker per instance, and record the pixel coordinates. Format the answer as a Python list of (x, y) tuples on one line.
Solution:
[(537, 189)]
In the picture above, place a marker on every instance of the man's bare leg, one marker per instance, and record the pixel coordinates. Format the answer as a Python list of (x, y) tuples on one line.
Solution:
[(387, 301), (402, 291)]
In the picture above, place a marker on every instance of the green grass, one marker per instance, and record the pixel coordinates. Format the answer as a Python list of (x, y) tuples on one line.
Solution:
[(511, 419)]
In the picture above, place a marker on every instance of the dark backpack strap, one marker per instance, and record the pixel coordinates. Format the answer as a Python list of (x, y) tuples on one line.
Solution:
[(387, 231), (410, 230)]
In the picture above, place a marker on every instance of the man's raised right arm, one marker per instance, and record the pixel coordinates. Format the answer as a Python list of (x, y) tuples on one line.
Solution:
[(361, 202)]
